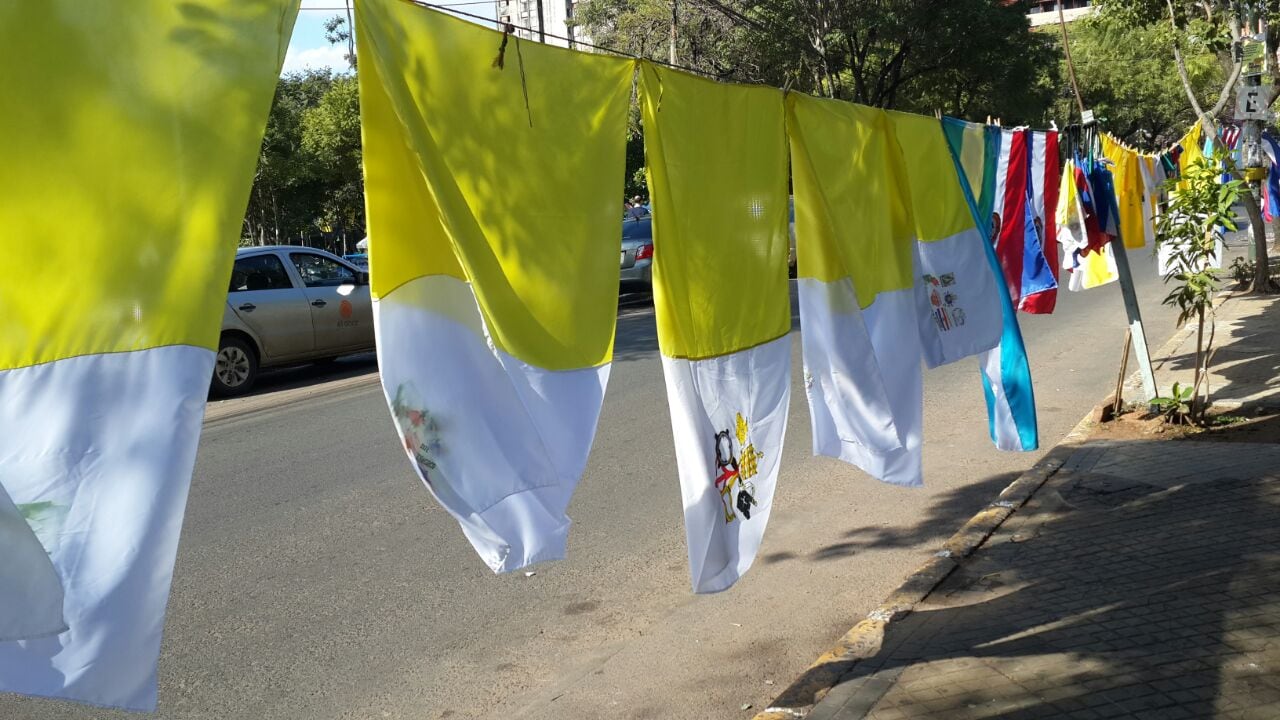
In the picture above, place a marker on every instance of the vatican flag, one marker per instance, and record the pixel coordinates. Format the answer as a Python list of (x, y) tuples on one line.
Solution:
[(493, 181), (717, 163), (855, 247), (133, 133)]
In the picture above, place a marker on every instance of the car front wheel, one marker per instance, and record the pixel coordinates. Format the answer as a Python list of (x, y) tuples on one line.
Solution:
[(235, 368)]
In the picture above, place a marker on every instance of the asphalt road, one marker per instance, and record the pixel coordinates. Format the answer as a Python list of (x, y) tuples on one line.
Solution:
[(317, 579)]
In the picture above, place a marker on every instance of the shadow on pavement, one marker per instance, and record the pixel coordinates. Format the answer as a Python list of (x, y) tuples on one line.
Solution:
[(1097, 599), (290, 377)]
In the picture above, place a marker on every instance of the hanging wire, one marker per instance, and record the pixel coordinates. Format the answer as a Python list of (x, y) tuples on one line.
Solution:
[(613, 51)]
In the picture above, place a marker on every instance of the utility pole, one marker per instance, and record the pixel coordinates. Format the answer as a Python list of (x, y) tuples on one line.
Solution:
[(542, 25), (1252, 103), (674, 18)]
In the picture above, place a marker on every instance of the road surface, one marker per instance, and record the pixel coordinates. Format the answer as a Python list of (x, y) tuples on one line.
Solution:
[(317, 579)]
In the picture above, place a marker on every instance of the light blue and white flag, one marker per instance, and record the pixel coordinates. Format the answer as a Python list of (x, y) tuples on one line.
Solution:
[(1006, 372)]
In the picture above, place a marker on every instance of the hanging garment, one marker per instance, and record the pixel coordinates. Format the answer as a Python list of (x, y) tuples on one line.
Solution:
[(1044, 177), (958, 297), (30, 589), (1005, 369), (1086, 251), (717, 163), (1271, 204), (854, 248), (139, 127), (958, 282), (1128, 191), (1018, 248), (1150, 198), (492, 191)]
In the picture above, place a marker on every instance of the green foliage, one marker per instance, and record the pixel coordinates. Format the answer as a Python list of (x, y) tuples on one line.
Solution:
[(1176, 407), (1242, 270), (966, 57), (1189, 229), (1127, 76), (308, 184)]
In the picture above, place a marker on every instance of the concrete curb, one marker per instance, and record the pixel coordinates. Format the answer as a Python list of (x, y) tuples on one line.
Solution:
[(864, 639)]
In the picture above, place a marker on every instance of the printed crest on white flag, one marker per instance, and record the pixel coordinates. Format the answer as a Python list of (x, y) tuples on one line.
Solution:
[(718, 181), (495, 289), (729, 419)]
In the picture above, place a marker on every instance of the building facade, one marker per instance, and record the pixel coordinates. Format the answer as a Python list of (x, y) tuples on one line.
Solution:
[(557, 20), (1043, 12)]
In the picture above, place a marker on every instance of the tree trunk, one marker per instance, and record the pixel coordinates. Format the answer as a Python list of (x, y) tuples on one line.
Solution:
[(1257, 226)]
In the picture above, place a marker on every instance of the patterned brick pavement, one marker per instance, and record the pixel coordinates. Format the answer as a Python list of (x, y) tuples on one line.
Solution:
[(1143, 580)]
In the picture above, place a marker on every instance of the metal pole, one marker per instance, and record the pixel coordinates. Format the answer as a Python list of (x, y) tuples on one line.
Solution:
[(1135, 319), (542, 29)]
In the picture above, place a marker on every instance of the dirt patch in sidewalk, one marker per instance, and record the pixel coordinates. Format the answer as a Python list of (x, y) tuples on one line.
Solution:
[(1241, 426)]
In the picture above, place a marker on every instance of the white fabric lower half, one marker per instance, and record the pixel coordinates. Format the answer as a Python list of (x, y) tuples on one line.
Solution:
[(100, 450), (500, 443), (958, 297), (1166, 253), (847, 399), (728, 469), (30, 589), (889, 321), (1004, 426), (1039, 148)]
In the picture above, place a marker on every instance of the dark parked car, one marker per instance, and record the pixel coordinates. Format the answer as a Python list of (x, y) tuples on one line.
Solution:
[(637, 255)]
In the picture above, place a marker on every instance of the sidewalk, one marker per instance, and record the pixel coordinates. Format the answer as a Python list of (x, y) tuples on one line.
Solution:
[(1142, 579)]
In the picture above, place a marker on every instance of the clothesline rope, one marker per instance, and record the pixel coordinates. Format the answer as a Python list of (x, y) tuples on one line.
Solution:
[(502, 26)]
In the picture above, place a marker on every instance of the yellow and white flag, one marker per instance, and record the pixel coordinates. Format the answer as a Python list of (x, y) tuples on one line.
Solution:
[(717, 163), (493, 181), (133, 132), (854, 249), (893, 274)]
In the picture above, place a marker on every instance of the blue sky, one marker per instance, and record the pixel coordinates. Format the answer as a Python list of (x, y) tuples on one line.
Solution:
[(308, 48)]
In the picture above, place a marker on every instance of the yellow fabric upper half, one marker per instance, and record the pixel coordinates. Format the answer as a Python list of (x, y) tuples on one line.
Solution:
[(1127, 179), (852, 218), (936, 199), (510, 177), (717, 164), (132, 130), (973, 150)]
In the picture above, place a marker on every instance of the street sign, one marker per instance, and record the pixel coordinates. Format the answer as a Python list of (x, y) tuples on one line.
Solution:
[(1254, 57), (1252, 102)]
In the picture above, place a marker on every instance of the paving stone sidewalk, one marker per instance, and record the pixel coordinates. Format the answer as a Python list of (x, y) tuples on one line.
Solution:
[(1142, 580)]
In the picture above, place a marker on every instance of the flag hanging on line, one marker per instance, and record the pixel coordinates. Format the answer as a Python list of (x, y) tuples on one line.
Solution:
[(855, 248), (492, 191), (140, 125), (717, 164), (1005, 369)]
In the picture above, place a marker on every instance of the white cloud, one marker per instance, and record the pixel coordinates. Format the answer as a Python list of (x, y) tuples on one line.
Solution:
[(328, 56), (308, 4)]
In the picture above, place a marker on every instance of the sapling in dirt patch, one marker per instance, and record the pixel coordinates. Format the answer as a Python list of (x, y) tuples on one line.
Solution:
[(1199, 211)]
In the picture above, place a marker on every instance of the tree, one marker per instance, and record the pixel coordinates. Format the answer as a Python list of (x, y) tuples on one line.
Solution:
[(1126, 78), (1218, 27), (285, 186), (331, 144), (308, 185), (1190, 230), (966, 57)]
